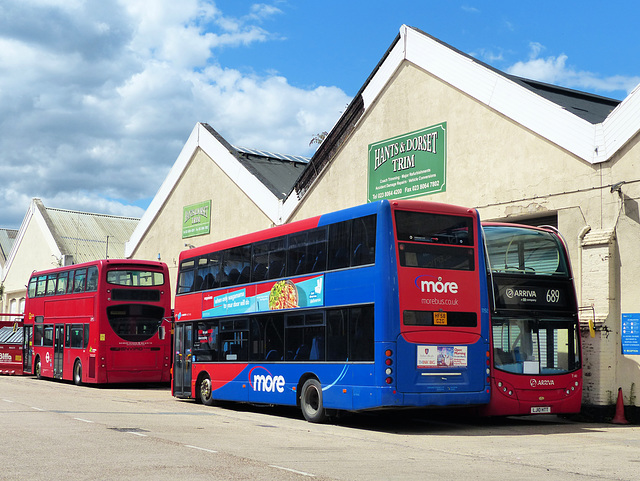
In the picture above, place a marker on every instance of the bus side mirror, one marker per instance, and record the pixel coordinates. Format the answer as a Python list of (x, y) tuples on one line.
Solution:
[(161, 333)]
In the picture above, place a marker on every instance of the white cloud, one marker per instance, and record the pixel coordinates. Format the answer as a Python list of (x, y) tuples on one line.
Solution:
[(470, 9), (488, 56), (98, 98), (556, 70)]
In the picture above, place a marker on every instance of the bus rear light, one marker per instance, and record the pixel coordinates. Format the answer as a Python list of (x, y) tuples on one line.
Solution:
[(389, 371), (388, 353), (388, 380), (388, 362)]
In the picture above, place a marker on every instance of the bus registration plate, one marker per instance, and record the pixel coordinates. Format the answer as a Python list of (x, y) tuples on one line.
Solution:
[(439, 318), (541, 410)]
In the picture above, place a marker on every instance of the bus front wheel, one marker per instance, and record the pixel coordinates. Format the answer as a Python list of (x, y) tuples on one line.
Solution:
[(37, 370), (311, 402), (77, 373), (205, 391)]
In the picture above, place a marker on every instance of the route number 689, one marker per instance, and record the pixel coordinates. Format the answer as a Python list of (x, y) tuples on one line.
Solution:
[(553, 295)]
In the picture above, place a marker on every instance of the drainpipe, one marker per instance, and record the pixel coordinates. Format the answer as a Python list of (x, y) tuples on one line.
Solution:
[(585, 230)]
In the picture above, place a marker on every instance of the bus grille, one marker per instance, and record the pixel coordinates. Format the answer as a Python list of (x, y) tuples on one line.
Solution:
[(135, 295)]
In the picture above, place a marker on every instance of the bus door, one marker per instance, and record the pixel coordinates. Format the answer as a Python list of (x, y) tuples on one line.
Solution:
[(58, 350), (27, 346), (182, 360)]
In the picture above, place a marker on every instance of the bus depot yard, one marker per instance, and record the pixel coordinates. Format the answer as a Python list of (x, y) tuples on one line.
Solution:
[(315, 314), (55, 430), (420, 356)]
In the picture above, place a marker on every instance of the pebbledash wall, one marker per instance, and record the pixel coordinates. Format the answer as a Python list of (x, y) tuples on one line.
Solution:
[(500, 147)]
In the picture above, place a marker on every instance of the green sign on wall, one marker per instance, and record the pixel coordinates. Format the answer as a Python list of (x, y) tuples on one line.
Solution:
[(196, 219), (409, 165)]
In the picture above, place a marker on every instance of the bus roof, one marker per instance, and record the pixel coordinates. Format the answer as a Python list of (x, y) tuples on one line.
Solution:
[(523, 226), (325, 219), (103, 263)]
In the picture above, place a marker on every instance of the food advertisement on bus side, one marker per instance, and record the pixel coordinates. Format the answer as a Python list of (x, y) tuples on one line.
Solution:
[(307, 291), (441, 356)]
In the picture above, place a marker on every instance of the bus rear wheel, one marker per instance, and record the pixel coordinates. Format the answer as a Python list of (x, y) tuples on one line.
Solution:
[(205, 391), (311, 402), (77, 373)]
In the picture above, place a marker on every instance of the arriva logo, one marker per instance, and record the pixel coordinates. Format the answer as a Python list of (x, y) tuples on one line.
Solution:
[(265, 382), (541, 382), (427, 284)]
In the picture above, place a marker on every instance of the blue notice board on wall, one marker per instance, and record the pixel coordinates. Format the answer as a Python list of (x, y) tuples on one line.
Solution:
[(631, 333)]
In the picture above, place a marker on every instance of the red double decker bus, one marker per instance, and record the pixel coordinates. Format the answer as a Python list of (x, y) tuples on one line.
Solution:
[(106, 321), (383, 305), (536, 360)]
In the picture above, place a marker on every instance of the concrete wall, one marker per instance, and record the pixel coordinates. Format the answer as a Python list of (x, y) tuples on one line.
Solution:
[(624, 289)]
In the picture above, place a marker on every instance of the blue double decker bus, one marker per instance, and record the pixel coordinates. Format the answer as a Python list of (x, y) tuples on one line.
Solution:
[(383, 305)]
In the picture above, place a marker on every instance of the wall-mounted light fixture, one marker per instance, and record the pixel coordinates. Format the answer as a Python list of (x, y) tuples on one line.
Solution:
[(617, 187)]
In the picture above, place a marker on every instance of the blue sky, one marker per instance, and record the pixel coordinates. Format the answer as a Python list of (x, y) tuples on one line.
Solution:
[(583, 45), (98, 98)]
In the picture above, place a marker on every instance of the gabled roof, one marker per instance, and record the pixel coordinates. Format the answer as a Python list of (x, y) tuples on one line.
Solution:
[(591, 127), (266, 178), (277, 172), (7, 237), (592, 108), (74, 236), (85, 236)]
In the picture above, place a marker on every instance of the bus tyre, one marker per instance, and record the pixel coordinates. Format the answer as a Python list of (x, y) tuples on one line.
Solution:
[(205, 392), (37, 370), (311, 402), (77, 373)]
